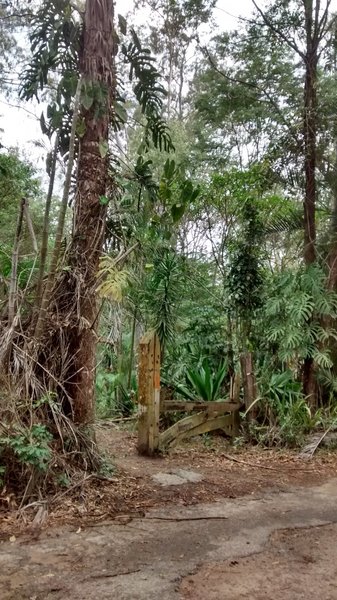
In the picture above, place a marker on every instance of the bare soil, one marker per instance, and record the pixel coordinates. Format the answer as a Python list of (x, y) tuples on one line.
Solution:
[(261, 525), (296, 564)]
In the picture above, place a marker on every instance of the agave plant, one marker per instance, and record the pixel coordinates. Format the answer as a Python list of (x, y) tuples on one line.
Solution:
[(203, 383)]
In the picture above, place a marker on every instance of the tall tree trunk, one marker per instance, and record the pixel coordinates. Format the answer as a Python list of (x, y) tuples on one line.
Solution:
[(310, 159), (332, 253), (310, 135), (46, 294), (12, 299), (45, 231), (90, 212), (73, 303)]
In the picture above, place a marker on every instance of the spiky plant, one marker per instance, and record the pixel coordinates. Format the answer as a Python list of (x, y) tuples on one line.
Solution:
[(163, 292), (203, 383)]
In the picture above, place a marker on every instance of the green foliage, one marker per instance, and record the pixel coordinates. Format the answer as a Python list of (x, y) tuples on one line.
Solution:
[(280, 389), (162, 293), (148, 90), (113, 397), (291, 423), (203, 383), (287, 416), (55, 45), (295, 308), (245, 279), (114, 280), (55, 42), (245, 276), (18, 179), (31, 445), (175, 191)]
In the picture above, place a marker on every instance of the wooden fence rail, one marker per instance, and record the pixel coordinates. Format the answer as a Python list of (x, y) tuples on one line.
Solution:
[(207, 416)]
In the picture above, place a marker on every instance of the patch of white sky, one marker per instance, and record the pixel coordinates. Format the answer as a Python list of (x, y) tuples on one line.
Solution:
[(19, 121)]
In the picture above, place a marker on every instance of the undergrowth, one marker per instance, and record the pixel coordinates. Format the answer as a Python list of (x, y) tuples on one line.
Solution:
[(40, 447)]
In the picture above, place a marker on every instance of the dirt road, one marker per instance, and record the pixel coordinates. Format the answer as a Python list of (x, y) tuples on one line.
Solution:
[(279, 545)]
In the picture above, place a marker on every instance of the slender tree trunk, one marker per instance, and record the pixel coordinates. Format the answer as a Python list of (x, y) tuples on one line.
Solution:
[(45, 299), (310, 134), (169, 87), (12, 303), (45, 232), (181, 85), (310, 160)]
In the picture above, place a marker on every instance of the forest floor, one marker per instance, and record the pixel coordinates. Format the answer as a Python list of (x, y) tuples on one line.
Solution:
[(254, 524)]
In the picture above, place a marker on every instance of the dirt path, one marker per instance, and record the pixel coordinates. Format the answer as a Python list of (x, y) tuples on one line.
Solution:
[(279, 545)]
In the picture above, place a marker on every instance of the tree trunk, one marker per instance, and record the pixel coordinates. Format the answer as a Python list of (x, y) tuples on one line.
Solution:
[(73, 302), (12, 296), (90, 211), (45, 231), (332, 255), (46, 294), (310, 133), (310, 159), (249, 385)]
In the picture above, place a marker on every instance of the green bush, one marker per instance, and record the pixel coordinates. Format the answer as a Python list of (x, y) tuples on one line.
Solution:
[(29, 446)]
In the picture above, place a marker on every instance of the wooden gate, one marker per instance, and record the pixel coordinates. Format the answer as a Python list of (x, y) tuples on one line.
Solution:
[(206, 417)]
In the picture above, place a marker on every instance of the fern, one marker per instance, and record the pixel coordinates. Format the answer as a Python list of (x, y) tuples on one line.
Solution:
[(285, 223)]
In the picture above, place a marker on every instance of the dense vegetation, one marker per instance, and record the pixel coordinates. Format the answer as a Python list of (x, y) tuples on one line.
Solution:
[(201, 179)]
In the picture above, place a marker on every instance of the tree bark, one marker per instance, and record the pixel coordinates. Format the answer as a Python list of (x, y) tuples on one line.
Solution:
[(45, 232), (73, 307), (310, 160), (46, 294), (310, 136), (12, 304), (90, 211), (249, 385)]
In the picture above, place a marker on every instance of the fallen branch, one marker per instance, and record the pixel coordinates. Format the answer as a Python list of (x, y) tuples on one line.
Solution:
[(79, 483), (73, 487), (99, 575), (178, 519), (121, 419), (309, 449), (255, 466)]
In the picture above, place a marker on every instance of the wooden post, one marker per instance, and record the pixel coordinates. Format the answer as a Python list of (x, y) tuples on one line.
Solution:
[(234, 396), (249, 384), (149, 394)]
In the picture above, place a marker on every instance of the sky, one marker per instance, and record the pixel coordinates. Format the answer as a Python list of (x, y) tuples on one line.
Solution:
[(21, 125)]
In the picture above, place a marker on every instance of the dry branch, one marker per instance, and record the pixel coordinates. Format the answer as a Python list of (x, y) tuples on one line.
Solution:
[(15, 259)]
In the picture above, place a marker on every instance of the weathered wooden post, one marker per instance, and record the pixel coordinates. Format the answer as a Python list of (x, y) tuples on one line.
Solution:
[(149, 394), (249, 385), (234, 396)]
